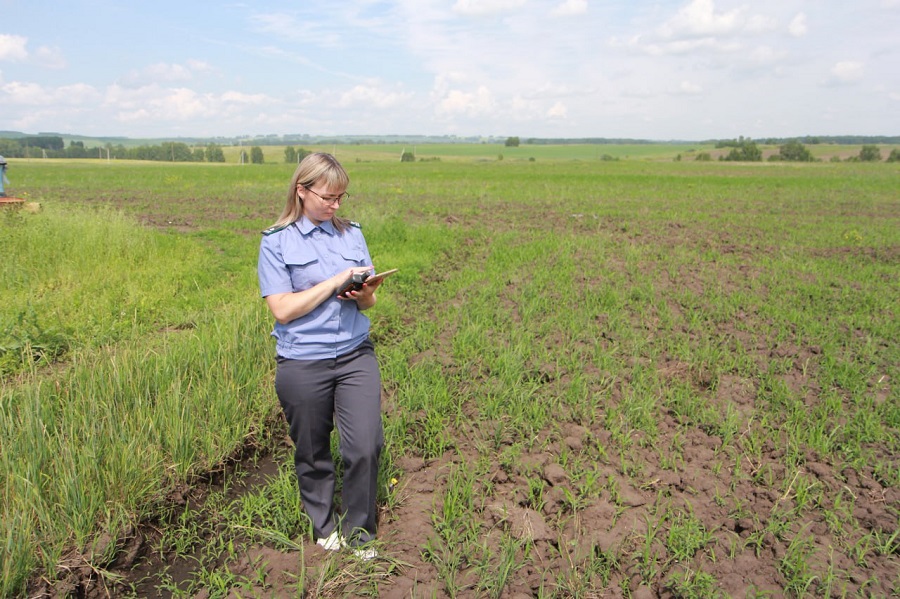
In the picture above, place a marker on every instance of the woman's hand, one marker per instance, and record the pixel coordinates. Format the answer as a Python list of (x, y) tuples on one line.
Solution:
[(365, 297), (344, 277)]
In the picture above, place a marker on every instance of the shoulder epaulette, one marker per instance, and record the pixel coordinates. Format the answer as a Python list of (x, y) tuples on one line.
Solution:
[(353, 223), (271, 230)]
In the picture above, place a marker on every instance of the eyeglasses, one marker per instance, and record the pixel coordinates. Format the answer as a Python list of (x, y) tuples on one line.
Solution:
[(339, 199)]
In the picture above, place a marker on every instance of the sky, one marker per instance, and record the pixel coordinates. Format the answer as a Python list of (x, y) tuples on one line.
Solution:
[(659, 70)]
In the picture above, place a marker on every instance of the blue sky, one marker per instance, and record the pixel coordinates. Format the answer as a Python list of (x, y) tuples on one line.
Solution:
[(666, 69)]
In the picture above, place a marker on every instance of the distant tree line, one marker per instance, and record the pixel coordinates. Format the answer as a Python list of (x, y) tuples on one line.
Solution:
[(42, 142), (54, 147), (746, 150), (741, 150), (548, 141), (847, 140)]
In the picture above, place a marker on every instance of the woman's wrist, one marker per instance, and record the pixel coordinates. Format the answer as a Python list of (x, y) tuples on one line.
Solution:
[(364, 302)]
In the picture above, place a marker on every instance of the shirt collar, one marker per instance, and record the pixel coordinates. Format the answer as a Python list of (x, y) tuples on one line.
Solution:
[(306, 226)]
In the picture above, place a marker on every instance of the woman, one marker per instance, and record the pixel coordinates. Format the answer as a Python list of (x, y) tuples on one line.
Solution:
[(326, 367)]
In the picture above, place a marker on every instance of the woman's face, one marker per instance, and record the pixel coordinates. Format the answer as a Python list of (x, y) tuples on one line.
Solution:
[(319, 201)]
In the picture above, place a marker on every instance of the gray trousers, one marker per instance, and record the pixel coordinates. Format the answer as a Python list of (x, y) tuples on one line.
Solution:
[(314, 394)]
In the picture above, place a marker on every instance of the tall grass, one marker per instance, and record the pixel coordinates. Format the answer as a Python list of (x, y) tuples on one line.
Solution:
[(96, 446), (164, 378), (78, 279)]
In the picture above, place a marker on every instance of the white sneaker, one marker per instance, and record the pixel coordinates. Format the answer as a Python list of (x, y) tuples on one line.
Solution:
[(365, 553), (332, 542)]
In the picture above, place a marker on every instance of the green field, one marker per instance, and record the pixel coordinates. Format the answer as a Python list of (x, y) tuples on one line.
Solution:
[(600, 377), (483, 152), (652, 152)]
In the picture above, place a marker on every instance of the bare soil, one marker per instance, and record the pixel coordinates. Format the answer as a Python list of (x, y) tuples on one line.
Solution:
[(560, 539)]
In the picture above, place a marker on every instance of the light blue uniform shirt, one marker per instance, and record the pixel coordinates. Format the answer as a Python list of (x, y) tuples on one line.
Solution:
[(301, 256)]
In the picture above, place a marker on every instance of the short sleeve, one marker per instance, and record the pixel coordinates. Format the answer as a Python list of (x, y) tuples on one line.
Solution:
[(274, 275)]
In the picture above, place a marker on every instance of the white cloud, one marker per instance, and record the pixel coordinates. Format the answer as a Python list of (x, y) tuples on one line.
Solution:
[(639, 92), (699, 27), (167, 72), (690, 89), (33, 118), (51, 58), (699, 18), (126, 97), (532, 107), (847, 71), (685, 46), (485, 7), (32, 94), (760, 24), (372, 96), (797, 26), (766, 55), (162, 72), (154, 104), (77, 94), (12, 47), (524, 109), (199, 66), (570, 8), (232, 97), (557, 111), (25, 94), (183, 103), (126, 116), (458, 102), (444, 81)]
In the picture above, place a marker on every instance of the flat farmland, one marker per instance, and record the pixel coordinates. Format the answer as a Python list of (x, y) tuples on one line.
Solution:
[(628, 378)]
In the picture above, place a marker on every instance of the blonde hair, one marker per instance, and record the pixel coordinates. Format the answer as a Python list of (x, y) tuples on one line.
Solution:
[(312, 169)]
